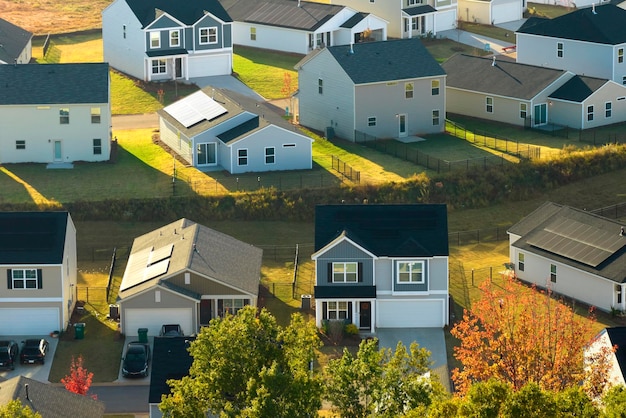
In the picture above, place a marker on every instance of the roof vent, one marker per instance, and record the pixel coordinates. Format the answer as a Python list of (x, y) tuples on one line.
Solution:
[(351, 51), (593, 8), (27, 394), (622, 232), (493, 62)]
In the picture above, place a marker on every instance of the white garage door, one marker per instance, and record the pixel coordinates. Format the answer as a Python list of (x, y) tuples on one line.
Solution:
[(133, 319), (29, 321), (209, 65), (507, 12), (410, 314)]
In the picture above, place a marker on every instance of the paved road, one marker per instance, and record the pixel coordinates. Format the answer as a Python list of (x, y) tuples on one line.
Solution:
[(119, 398)]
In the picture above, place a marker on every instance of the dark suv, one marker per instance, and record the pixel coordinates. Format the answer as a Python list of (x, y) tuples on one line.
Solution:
[(8, 354), (34, 351), (136, 360)]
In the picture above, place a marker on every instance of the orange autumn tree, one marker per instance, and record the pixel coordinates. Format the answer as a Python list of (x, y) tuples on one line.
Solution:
[(79, 379), (520, 335)]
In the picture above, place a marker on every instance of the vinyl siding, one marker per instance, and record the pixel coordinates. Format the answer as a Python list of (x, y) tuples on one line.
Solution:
[(203, 286), (124, 54)]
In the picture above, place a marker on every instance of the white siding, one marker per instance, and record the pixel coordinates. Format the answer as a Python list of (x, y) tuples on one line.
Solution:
[(268, 37), (125, 54)]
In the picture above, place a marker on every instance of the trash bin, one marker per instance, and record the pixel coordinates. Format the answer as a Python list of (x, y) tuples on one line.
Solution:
[(487, 47), (114, 312), (305, 302), (142, 333), (79, 330)]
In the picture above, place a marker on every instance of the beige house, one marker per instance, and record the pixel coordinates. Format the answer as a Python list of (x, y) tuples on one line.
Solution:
[(38, 259)]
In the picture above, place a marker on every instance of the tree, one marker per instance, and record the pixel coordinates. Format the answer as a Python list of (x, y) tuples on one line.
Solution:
[(79, 380), (614, 402), (247, 365), (14, 409), (485, 399), (519, 335), (530, 402)]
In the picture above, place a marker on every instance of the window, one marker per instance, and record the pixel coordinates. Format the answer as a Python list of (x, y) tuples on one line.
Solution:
[(64, 116), (155, 40), (435, 117), (520, 261), (523, 110), (270, 155), (124, 31), (20, 144), (232, 306), (620, 55), (337, 310), (159, 67), (24, 279), (345, 273), (208, 35), (589, 113), (553, 273), (559, 49), (408, 90), (212, 35), (253, 34), (434, 87), (624, 79), (410, 272), (320, 86), (97, 146), (242, 157), (174, 38), (289, 145), (95, 115), (489, 104), (608, 109), (371, 121), (414, 23)]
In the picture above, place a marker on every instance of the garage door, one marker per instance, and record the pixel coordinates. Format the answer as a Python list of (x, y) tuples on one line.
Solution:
[(209, 65), (28, 321), (133, 319), (410, 314), (506, 13)]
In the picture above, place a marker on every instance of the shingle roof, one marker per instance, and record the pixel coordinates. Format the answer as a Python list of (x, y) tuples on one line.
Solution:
[(188, 12), (13, 40), (386, 230), (578, 88), (372, 62), (54, 84), (617, 335), (48, 400), (244, 128), (354, 20), (32, 237), (602, 24), (505, 78), (419, 10), (170, 360)]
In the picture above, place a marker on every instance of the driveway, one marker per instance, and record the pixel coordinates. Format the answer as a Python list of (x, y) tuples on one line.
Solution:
[(136, 381), (227, 82), (33, 371)]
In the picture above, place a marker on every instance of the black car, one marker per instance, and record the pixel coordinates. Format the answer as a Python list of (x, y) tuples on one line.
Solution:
[(171, 330), (136, 360), (8, 354), (34, 351)]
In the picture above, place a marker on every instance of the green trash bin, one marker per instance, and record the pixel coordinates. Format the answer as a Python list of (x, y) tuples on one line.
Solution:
[(79, 330), (143, 335)]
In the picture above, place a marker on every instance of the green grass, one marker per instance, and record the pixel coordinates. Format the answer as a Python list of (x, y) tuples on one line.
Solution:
[(547, 10)]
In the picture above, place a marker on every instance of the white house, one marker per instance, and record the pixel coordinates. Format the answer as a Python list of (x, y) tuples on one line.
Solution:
[(491, 12), (15, 44), (609, 339)]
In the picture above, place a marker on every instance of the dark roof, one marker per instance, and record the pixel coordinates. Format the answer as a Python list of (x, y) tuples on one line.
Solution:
[(578, 88), (419, 10), (338, 291), (602, 24), (418, 230), (170, 360), (354, 20), (13, 40), (239, 130), (35, 84), (617, 335), (188, 12), (540, 234), (168, 52), (505, 78), (48, 400), (32, 237), (372, 62)]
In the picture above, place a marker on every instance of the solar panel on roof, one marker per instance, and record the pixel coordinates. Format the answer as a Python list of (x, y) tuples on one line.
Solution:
[(195, 108), (160, 254), (133, 275), (157, 269)]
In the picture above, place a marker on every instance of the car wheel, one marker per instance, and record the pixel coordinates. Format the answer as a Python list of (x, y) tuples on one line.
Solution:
[(43, 361)]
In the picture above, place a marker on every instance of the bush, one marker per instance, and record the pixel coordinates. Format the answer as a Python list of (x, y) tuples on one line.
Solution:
[(351, 329)]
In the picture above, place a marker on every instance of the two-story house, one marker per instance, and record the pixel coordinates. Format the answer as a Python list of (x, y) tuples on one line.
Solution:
[(382, 266), (55, 113), (157, 40), (589, 41), (38, 260), (15, 44), (390, 89)]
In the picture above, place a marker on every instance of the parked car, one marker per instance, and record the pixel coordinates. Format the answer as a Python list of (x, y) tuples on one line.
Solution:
[(171, 330), (8, 354), (136, 360), (34, 351)]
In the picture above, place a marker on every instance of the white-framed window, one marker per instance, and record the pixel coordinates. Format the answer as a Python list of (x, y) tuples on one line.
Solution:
[(337, 310), (95, 115), (523, 110), (620, 55), (434, 87), (208, 35), (24, 279), (589, 113), (97, 146), (345, 272), (408, 90), (414, 23), (270, 155), (520, 261), (20, 144), (175, 38), (155, 40), (410, 272), (320, 86), (553, 273), (64, 116), (242, 156), (608, 109), (489, 104), (371, 121), (159, 66), (232, 306), (559, 49), (436, 117), (253, 34)]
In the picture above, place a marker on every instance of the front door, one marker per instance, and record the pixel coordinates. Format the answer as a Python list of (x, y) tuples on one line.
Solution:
[(365, 315), (402, 125), (540, 114), (178, 67), (58, 156), (206, 309)]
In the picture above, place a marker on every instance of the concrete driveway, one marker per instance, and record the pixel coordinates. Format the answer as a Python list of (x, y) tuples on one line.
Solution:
[(33, 371), (138, 381)]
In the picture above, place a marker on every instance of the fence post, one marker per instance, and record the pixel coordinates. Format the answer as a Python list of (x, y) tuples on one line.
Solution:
[(472, 277), (491, 272)]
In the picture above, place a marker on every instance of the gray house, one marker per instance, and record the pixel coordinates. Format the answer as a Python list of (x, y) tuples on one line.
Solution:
[(390, 89), (15, 44), (221, 130), (185, 273), (164, 40)]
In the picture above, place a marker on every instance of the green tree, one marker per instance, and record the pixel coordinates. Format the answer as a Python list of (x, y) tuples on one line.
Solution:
[(247, 365), (615, 402), (530, 402), (485, 399), (14, 409), (574, 402)]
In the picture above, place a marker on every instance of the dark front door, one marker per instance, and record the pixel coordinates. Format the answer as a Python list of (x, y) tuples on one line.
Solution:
[(365, 315), (179, 67), (205, 311)]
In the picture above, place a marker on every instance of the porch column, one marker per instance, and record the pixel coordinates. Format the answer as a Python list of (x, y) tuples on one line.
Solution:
[(318, 313)]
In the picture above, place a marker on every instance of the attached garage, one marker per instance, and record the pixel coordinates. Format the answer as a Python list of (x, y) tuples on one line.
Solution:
[(506, 12), (133, 319), (210, 65), (410, 314), (29, 321)]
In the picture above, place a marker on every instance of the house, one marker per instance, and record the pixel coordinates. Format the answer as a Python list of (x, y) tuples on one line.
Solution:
[(38, 259), (382, 266), (300, 26), (612, 338), (573, 253), (491, 12), (156, 40), (185, 273), (409, 18), (390, 89), (15, 44), (170, 360), (502, 90), (68, 106), (50, 401), (588, 41), (221, 130)]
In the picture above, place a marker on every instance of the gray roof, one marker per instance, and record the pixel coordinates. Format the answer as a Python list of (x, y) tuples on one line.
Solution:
[(578, 88), (43, 84), (354, 20), (13, 40), (505, 78), (48, 400), (373, 62), (602, 24), (419, 10), (188, 12)]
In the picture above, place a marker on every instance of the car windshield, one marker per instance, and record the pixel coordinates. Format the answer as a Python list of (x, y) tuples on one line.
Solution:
[(31, 350), (135, 357)]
